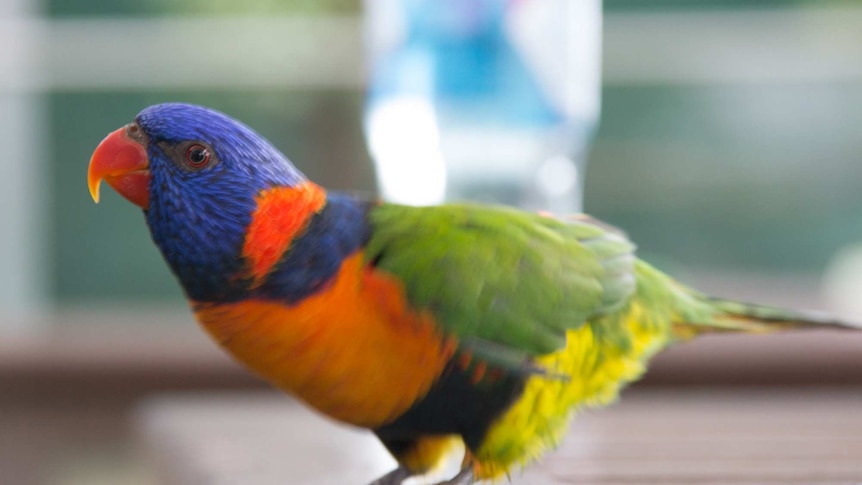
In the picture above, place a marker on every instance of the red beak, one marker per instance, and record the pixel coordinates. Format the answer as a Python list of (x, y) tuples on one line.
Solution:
[(121, 161)]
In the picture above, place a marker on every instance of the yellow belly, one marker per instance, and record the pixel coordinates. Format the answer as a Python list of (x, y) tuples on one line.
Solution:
[(599, 363)]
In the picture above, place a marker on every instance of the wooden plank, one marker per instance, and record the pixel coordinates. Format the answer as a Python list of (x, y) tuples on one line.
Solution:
[(651, 437), (166, 342)]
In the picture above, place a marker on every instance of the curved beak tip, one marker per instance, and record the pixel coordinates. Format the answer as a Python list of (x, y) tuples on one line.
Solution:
[(93, 183)]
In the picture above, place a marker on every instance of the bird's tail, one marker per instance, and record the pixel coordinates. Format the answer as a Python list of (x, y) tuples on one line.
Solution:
[(693, 313), (735, 316)]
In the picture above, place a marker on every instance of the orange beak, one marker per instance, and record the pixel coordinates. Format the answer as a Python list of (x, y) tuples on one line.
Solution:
[(122, 162)]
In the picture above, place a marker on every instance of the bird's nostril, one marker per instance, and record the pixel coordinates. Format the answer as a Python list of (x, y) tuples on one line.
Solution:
[(135, 132)]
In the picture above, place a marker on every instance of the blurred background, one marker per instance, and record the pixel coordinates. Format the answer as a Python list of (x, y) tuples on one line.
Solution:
[(728, 148)]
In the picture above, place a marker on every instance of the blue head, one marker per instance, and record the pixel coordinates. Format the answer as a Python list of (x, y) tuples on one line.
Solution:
[(196, 173)]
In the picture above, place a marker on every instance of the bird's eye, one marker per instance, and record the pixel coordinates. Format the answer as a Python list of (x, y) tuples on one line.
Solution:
[(197, 156)]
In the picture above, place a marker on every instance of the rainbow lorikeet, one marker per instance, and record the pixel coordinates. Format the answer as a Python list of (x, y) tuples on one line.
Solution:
[(428, 325)]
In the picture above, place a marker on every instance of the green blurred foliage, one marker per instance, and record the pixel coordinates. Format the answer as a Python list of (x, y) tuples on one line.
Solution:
[(755, 177), (111, 8), (660, 5)]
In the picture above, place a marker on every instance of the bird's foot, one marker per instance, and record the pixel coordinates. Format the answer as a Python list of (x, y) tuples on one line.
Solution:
[(395, 477), (464, 477)]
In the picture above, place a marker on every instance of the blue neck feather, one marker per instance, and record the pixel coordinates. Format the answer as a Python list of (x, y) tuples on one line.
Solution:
[(336, 232)]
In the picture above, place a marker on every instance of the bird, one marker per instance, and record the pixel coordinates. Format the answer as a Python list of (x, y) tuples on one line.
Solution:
[(461, 326)]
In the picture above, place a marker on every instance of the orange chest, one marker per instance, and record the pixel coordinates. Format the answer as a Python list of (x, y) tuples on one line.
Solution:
[(355, 351)]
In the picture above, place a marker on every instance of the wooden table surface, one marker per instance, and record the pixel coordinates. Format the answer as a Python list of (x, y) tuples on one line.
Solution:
[(745, 436)]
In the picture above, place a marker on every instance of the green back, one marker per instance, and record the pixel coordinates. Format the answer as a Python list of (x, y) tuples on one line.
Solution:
[(507, 283)]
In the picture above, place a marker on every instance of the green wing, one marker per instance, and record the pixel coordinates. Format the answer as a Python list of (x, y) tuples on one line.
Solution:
[(507, 283)]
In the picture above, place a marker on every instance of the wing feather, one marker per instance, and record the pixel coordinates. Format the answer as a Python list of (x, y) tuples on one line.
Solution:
[(503, 278)]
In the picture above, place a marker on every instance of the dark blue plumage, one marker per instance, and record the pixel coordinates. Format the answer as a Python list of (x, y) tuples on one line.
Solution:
[(337, 231)]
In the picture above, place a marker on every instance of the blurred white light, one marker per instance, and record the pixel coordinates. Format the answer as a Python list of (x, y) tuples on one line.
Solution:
[(842, 282), (404, 142), (557, 176)]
